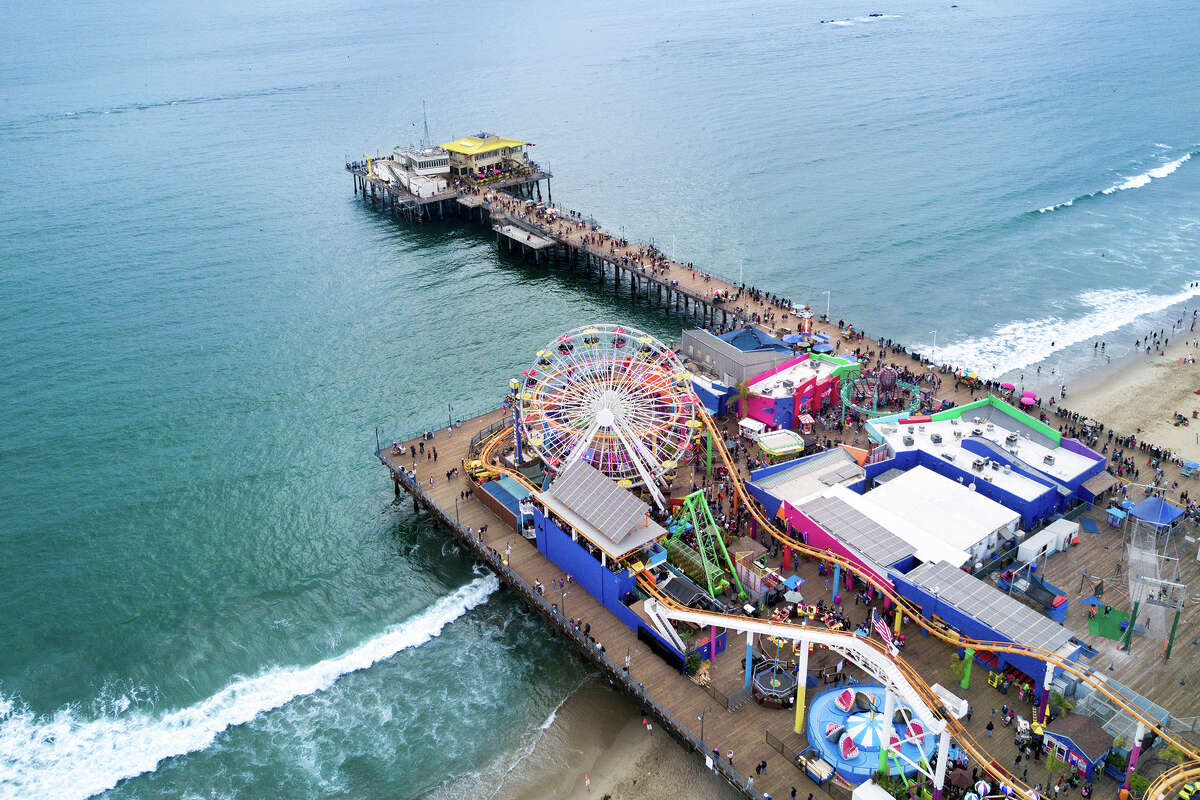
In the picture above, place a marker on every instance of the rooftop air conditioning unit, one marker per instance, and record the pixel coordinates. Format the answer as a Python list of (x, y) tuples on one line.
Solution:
[(908, 441), (910, 428), (977, 431), (954, 420), (1011, 439), (978, 420), (996, 465), (958, 434), (977, 464), (936, 438), (948, 455), (987, 478), (1007, 469), (1049, 459), (991, 427)]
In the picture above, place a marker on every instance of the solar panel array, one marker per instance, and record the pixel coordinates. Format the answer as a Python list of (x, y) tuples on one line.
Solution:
[(613, 511), (1011, 618), (851, 527), (820, 461)]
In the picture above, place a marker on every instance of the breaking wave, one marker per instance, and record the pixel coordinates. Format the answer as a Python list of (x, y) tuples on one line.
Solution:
[(1133, 182), (65, 756), (1018, 345)]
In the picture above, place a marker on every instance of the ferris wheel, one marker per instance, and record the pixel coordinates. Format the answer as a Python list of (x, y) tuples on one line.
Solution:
[(614, 397)]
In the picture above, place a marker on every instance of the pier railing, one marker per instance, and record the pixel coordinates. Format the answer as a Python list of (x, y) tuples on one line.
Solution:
[(456, 418), (550, 611)]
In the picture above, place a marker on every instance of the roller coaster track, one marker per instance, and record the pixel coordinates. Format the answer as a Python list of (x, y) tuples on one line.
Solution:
[(1173, 780), (966, 742)]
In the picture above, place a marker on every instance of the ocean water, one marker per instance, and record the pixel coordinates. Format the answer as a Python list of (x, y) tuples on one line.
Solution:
[(206, 588)]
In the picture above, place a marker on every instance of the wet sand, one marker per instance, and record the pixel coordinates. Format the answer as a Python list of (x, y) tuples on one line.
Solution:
[(599, 733)]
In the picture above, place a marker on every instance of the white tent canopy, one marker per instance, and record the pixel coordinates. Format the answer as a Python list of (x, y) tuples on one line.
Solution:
[(751, 428)]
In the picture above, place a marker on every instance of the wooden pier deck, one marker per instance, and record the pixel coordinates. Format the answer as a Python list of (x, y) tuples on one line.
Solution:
[(671, 698)]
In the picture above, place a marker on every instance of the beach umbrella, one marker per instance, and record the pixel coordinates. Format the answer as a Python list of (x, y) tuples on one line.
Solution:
[(960, 778), (793, 338), (1191, 465), (793, 597), (1027, 401), (970, 796), (1008, 386), (1029, 393), (1006, 790), (983, 787), (823, 348)]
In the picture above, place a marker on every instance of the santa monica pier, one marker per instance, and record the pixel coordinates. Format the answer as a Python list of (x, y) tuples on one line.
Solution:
[(800, 545)]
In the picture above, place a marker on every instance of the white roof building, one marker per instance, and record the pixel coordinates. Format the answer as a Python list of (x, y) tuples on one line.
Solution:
[(946, 511)]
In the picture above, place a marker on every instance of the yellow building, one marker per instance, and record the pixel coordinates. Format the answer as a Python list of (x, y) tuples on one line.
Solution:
[(472, 155)]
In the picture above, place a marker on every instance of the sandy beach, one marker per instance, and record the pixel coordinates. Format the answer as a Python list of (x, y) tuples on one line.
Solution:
[(1144, 392), (597, 733)]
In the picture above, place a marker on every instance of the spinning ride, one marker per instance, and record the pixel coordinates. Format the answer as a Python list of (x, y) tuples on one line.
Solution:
[(875, 393), (614, 397)]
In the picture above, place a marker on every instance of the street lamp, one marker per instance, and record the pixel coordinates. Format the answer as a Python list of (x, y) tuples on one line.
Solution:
[(703, 714), (562, 601), (934, 352), (457, 521)]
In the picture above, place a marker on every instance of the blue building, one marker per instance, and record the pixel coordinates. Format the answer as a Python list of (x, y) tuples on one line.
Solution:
[(595, 531), (1080, 742), (1005, 454)]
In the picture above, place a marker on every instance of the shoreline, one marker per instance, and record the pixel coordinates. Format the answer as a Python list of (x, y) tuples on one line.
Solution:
[(1140, 394)]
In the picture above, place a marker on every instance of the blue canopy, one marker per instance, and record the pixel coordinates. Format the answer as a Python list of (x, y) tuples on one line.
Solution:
[(1091, 600), (1089, 525), (823, 348), (1128, 505), (1191, 465), (1157, 511), (749, 338), (794, 338), (1118, 513)]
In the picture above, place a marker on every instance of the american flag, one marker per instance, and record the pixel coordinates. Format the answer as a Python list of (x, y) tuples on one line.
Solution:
[(882, 628)]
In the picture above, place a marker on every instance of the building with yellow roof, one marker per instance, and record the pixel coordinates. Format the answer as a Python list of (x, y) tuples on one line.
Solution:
[(474, 155)]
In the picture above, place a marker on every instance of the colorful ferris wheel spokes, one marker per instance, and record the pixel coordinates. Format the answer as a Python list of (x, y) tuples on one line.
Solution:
[(614, 397)]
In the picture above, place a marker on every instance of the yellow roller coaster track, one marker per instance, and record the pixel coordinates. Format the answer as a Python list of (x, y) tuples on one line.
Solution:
[(1173, 780), (966, 742)]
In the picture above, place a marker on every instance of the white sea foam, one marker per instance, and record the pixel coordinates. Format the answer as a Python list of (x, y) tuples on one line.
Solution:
[(1132, 182), (1017, 345), (842, 23), (67, 756)]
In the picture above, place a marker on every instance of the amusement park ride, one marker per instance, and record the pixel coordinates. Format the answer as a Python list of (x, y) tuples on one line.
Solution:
[(614, 397)]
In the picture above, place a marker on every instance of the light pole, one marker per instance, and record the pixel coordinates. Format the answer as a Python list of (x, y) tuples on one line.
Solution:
[(934, 353), (828, 301), (703, 714), (562, 601), (456, 519)]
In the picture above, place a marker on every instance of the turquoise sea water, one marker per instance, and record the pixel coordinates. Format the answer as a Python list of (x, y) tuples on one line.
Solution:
[(206, 589)]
